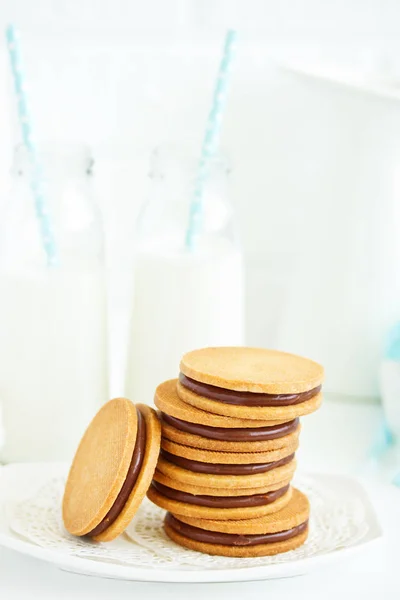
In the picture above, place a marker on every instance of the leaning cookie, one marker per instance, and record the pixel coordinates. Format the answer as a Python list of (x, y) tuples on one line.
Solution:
[(270, 534), (112, 470)]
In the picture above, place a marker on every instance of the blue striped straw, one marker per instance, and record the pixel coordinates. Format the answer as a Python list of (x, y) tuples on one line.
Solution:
[(211, 140), (36, 183)]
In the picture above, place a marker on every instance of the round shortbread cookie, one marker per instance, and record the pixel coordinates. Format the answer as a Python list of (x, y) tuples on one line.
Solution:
[(152, 450), (296, 512), (207, 512), (225, 482), (215, 457), (97, 475), (236, 551), (198, 441), (167, 400), (273, 413), (212, 491), (252, 370), (112, 469)]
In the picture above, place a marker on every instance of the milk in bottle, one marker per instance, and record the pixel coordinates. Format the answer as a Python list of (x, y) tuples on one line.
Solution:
[(53, 342), (183, 298)]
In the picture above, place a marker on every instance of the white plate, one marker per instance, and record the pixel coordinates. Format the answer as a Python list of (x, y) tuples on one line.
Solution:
[(343, 522)]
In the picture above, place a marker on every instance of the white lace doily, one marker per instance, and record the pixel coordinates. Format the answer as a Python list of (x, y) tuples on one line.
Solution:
[(338, 520)]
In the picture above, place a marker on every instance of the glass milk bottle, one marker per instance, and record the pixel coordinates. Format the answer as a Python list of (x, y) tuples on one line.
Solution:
[(53, 342), (183, 298)]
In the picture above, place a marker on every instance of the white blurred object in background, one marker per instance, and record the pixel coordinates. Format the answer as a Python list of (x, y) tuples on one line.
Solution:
[(53, 343), (182, 299), (390, 381), (345, 293)]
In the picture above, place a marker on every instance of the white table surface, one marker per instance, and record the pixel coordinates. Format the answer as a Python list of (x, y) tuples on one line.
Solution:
[(335, 439)]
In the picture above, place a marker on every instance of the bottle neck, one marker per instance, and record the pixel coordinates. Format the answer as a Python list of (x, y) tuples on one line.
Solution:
[(52, 162), (59, 194), (174, 187)]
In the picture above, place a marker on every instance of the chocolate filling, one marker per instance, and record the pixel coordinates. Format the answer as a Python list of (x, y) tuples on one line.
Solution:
[(245, 398), (223, 469), (130, 481), (258, 434), (231, 539), (220, 501)]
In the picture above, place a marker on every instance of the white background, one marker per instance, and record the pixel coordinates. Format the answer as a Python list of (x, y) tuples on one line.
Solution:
[(126, 75)]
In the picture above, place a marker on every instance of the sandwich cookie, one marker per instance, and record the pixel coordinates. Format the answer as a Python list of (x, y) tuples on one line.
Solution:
[(226, 458), (218, 507), (167, 401), (270, 534), (250, 383), (228, 476), (212, 491), (112, 470), (222, 439)]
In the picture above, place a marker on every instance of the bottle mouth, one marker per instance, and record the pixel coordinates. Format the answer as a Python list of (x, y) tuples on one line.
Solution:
[(184, 158), (54, 157)]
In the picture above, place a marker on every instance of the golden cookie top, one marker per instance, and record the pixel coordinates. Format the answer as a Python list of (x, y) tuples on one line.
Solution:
[(252, 370)]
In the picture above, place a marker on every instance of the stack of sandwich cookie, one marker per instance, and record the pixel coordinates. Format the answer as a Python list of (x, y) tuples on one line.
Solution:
[(230, 429), (227, 483)]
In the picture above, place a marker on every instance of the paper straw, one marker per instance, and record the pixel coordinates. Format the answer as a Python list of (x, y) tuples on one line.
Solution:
[(36, 182), (211, 140)]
